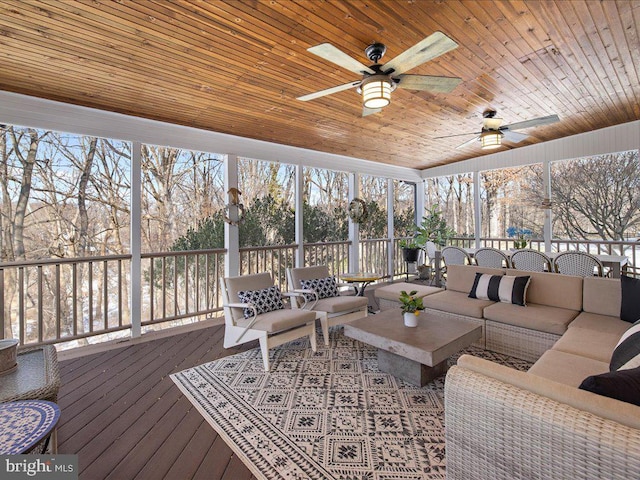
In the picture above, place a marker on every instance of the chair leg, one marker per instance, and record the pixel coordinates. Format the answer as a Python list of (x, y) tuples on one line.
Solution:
[(324, 323), (312, 338), (264, 346)]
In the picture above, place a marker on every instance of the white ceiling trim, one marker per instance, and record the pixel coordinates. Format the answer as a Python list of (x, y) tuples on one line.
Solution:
[(24, 110), (619, 138)]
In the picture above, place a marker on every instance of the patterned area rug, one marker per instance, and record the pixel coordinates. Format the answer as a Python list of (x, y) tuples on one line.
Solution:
[(325, 415)]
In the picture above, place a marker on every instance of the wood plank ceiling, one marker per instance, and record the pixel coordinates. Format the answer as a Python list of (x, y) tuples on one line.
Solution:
[(237, 67)]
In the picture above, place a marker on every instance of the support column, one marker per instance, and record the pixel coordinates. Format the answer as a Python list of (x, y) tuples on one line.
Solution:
[(231, 232), (299, 206), (548, 212), (135, 240), (477, 209), (420, 199), (390, 229), (354, 228)]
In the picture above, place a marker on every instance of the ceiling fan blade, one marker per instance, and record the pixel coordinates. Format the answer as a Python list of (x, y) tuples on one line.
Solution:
[(329, 91), (468, 142), (428, 83), (514, 137), (331, 53), (370, 111), (534, 122), (431, 47), (458, 135)]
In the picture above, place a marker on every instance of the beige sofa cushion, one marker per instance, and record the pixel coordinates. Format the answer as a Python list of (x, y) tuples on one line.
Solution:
[(602, 295), (534, 317), (588, 343), (562, 291), (339, 304), (600, 323), (566, 367), (621, 412), (392, 292), (456, 302), (460, 277)]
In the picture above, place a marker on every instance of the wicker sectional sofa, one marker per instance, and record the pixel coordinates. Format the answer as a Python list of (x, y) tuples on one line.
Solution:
[(506, 424)]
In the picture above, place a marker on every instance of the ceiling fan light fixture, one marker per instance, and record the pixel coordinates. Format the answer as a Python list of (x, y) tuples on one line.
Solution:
[(490, 139), (376, 91)]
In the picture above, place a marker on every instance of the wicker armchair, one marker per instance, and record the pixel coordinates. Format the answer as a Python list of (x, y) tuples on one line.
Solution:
[(531, 261), (580, 264), (490, 257), (455, 256)]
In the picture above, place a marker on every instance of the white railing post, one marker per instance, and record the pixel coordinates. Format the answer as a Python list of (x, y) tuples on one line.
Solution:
[(299, 226), (477, 212), (135, 226), (548, 212), (231, 232), (390, 229), (354, 228)]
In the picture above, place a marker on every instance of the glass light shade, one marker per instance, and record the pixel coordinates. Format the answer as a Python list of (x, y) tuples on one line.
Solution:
[(376, 91), (490, 139)]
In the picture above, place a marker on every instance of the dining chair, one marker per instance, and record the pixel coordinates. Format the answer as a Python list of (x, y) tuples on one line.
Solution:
[(455, 256), (530, 260), (491, 257), (254, 310), (580, 264), (320, 294)]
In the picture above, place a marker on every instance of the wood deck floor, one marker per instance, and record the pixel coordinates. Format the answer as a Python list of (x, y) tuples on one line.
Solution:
[(125, 419)]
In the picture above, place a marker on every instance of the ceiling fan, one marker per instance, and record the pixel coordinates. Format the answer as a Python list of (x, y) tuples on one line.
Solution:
[(493, 131), (378, 81)]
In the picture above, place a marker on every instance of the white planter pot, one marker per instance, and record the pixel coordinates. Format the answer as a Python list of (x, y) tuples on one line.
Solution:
[(410, 319)]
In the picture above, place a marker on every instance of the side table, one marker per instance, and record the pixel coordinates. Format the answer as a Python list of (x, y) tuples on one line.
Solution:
[(23, 424), (36, 377)]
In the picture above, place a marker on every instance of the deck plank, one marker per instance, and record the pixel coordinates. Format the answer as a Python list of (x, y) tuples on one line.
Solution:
[(124, 417)]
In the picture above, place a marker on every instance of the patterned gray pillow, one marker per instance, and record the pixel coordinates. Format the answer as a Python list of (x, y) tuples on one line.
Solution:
[(324, 287), (265, 300)]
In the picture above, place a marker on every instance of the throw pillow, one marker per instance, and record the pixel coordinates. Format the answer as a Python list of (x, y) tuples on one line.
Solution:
[(324, 287), (627, 352), (265, 300), (500, 288), (630, 309), (622, 385)]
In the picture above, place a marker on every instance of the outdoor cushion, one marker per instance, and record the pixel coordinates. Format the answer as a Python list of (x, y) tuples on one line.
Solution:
[(264, 300), (534, 317), (340, 304), (456, 302), (566, 367), (600, 323), (627, 351), (460, 278), (630, 309), (324, 287), (622, 385), (602, 295), (588, 343), (280, 320), (562, 291), (500, 288), (392, 292)]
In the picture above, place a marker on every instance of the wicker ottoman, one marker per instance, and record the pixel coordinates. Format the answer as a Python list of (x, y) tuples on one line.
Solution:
[(388, 295)]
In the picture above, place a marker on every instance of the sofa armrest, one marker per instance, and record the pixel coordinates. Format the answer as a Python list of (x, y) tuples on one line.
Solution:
[(498, 428)]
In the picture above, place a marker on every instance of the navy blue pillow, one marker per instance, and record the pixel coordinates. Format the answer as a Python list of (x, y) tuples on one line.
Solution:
[(622, 385), (630, 309)]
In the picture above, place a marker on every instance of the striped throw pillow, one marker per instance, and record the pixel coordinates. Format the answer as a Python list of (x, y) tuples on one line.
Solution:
[(627, 352), (501, 288)]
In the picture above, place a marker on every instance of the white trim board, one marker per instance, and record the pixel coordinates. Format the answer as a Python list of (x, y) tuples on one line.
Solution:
[(24, 110), (619, 138)]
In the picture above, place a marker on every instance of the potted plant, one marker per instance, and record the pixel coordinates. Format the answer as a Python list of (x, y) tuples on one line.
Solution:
[(411, 307), (520, 237), (410, 250), (433, 228)]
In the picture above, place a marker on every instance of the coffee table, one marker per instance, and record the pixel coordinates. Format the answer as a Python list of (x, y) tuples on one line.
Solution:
[(415, 354)]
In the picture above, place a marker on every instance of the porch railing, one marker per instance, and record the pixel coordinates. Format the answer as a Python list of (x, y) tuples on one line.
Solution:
[(60, 300)]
